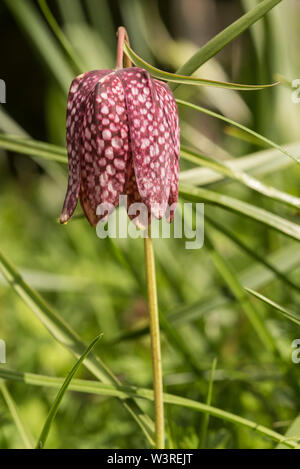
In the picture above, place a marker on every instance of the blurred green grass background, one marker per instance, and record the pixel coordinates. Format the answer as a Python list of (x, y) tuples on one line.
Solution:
[(81, 275)]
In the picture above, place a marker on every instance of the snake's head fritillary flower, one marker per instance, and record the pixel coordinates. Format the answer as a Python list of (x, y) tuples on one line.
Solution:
[(122, 139)]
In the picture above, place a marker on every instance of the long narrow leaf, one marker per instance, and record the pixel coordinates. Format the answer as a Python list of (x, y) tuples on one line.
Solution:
[(236, 288), (262, 162), (258, 163), (265, 217), (125, 392), (175, 78), (252, 253), (205, 420), (33, 148), (51, 152), (64, 334), (284, 311), (240, 176), (61, 36), (246, 129), (54, 408), (221, 40)]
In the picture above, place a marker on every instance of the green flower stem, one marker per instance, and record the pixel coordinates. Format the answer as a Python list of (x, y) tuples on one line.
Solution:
[(152, 294), (155, 343)]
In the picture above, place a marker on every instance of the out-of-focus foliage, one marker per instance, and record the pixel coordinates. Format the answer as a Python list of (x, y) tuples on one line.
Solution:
[(97, 286)]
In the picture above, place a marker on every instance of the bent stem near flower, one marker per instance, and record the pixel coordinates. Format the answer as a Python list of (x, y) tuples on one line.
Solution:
[(122, 37), (155, 342)]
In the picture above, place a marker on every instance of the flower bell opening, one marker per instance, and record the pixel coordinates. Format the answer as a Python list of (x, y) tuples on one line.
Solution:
[(122, 139)]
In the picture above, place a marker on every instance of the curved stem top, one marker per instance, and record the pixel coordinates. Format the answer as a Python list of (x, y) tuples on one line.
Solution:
[(122, 37)]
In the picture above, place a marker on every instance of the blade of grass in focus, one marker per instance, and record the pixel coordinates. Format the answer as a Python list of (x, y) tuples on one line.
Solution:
[(264, 162), (64, 334), (205, 421), (125, 392), (174, 53), (33, 148), (175, 78), (246, 129), (240, 176), (221, 40), (284, 311), (263, 216), (196, 194), (258, 163), (60, 36), (10, 126), (252, 253), (55, 406), (244, 136)]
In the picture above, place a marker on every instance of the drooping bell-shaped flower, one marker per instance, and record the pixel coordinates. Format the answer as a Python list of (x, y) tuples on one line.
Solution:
[(122, 139)]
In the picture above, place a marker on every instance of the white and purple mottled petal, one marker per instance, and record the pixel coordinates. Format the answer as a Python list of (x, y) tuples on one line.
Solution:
[(79, 90), (169, 106), (150, 139), (105, 145), (122, 138)]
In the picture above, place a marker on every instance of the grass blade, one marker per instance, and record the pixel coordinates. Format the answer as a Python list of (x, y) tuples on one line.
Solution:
[(284, 311), (258, 163), (33, 148), (221, 40), (240, 176), (205, 421), (256, 276), (197, 194), (65, 335), (61, 36), (246, 129), (125, 392), (175, 339), (26, 438), (230, 235), (54, 408), (53, 152), (236, 288), (292, 433), (175, 78), (262, 162), (240, 134)]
